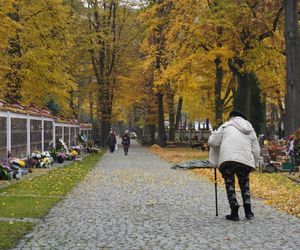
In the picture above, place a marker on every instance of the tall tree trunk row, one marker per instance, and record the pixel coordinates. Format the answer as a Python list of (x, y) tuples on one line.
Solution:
[(218, 91), (161, 120), (170, 98), (104, 61), (178, 112), (292, 40)]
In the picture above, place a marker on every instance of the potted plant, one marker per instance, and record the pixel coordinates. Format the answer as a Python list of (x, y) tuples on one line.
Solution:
[(74, 154), (60, 157)]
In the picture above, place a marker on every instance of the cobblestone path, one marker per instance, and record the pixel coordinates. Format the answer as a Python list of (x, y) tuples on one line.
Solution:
[(138, 202)]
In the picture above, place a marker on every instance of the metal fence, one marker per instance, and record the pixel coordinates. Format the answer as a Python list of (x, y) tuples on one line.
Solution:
[(35, 135), (22, 134), (48, 134), (18, 137), (3, 136)]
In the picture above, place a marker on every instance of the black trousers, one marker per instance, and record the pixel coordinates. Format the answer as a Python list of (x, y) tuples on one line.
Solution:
[(229, 170), (111, 149), (125, 148)]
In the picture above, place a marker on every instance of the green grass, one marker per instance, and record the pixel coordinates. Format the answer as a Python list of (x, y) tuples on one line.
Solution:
[(11, 233), (33, 198), (20, 207)]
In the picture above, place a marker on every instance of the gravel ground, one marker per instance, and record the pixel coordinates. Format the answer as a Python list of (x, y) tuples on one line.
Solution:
[(138, 202)]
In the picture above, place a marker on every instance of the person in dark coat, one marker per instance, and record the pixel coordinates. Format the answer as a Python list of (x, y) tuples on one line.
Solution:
[(126, 142), (111, 141)]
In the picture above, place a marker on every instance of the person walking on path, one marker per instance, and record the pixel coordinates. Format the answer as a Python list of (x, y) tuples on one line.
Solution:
[(126, 142), (111, 141), (238, 151)]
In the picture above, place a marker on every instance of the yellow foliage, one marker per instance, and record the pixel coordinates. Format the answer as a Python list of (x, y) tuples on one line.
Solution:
[(43, 33)]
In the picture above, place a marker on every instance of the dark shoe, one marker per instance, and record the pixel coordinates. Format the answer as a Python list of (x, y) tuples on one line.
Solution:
[(234, 216), (248, 213)]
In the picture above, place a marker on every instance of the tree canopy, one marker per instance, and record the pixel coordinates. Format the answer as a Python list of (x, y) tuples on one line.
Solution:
[(134, 61)]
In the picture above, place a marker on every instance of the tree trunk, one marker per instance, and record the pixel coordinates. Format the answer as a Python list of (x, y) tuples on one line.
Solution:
[(91, 106), (247, 97), (178, 113), (171, 116), (161, 120), (257, 107), (105, 128), (264, 103), (152, 133), (149, 134), (104, 60), (292, 40), (106, 116), (207, 124), (218, 91), (248, 100), (242, 99)]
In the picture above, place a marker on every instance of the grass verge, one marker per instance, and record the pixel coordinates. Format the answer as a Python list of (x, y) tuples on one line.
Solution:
[(12, 232), (34, 197), (275, 189)]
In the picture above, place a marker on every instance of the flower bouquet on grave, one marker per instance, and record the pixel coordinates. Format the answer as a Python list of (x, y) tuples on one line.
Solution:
[(19, 167), (60, 157), (36, 157), (74, 154), (69, 157), (32, 163), (15, 167), (274, 149), (47, 159), (59, 146), (5, 172), (46, 162), (297, 147), (53, 154)]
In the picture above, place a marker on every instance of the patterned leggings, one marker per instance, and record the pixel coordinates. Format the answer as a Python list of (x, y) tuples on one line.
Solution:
[(228, 170)]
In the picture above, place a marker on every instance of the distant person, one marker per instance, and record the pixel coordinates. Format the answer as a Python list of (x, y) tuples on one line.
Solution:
[(111, 141), (165, 138), (126, 142), (239, 152)]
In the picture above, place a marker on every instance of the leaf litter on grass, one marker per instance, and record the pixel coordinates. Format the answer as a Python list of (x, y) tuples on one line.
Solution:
[(275, 189)]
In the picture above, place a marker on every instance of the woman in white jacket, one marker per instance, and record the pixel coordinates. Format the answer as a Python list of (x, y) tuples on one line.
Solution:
[(239, 151)]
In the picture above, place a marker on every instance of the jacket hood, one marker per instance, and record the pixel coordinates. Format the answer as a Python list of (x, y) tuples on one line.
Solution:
[(241, 124)]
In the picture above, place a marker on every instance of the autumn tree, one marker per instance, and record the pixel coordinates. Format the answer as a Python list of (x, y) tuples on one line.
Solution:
[(257, 38), (158, 58), (230, 49), (13, 75), (292, 39), (196, 43), (134, 100), (37, 52), (106, 22)]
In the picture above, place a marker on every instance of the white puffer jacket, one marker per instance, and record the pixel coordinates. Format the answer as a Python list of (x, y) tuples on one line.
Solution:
[(237, 141)]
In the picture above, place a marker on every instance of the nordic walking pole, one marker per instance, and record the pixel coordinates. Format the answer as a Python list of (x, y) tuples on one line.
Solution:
[(216, 191)]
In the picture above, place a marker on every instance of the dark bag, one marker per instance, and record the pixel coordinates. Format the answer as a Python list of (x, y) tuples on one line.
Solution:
[(125, 141)]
